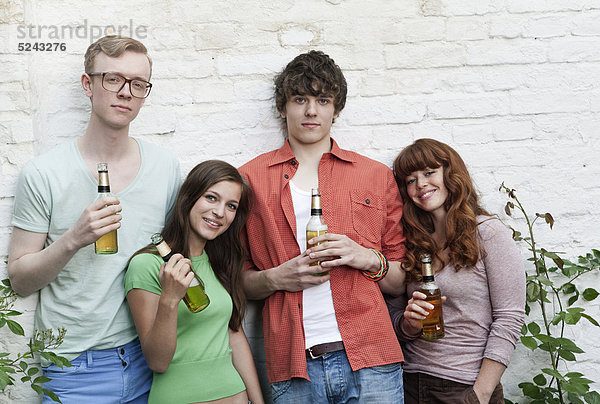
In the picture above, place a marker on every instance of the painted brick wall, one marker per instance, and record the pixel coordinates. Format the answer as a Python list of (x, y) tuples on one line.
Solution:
[(513, 85)]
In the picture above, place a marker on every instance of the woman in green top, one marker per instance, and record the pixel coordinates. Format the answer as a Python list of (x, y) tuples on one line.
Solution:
[(204, 356)]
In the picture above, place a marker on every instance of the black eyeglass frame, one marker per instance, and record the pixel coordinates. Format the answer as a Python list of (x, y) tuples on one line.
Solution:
[(126, 81)]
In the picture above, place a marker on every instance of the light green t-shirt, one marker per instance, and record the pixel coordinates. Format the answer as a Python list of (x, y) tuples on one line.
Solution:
[(87, 296), (202, 368)]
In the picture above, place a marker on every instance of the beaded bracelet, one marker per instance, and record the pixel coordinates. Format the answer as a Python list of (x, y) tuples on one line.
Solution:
[(384, 266)]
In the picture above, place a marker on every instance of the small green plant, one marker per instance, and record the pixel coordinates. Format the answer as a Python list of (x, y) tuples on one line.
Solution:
[(551, 287), (11, 366)]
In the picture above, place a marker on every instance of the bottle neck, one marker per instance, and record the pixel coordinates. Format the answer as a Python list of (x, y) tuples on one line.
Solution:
[(316, 212), (164, 250), (103, 185), (428, 278), (426, 270)]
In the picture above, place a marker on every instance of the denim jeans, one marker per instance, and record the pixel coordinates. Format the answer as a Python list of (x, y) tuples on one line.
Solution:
[(108, 376), (333, 381)]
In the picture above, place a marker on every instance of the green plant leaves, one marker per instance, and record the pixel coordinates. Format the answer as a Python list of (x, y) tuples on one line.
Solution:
[(533, 291), (590, 294), (530, 389), (19, 366), (533, 328), (552, 291), (51, 394), (15, 327), (57, 360), (592, 397), (590, 319), (566, 355), (540, 380), (529, 342)]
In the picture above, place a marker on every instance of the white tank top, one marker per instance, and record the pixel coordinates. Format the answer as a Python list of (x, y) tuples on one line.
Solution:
[(318, 314)]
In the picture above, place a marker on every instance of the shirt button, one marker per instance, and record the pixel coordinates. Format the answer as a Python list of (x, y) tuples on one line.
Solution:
[(286, 176), (368, 201), (293, 162), (123, 363), (122, 351)]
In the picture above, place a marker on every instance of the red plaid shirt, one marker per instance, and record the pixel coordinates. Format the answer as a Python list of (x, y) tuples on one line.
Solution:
[(361, 200)]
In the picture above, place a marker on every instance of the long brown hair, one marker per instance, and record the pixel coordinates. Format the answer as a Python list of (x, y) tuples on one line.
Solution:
[(462, 207), (226, 252)]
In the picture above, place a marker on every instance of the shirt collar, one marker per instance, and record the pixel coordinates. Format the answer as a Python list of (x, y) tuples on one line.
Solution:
[(285, 154)]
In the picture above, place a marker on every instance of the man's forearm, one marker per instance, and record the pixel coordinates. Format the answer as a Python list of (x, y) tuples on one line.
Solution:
[(393, 283), (30, 268), (257, 284)]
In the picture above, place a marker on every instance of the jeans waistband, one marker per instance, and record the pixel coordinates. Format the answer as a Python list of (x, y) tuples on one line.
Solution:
[(117, 352)]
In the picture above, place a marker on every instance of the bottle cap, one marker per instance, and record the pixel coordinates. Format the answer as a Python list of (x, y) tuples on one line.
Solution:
[(156, 238)]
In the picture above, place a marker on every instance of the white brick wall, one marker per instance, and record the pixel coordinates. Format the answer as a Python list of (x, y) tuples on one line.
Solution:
[(513, 85)]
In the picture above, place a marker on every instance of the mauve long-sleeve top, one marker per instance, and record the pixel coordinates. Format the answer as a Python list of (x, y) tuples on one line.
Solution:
[(483, 313)]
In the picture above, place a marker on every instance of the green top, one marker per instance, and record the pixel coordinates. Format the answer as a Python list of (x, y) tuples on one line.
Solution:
[(202, 367)]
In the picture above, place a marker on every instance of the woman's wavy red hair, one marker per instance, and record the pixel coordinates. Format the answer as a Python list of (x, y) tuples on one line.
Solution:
[(462, 207)]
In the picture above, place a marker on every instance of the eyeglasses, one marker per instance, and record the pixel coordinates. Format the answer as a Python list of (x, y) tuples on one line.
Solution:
[(114, 83)]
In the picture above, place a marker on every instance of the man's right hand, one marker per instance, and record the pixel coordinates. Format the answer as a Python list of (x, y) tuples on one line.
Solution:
[(296, 274), (99, 218), (31, 266)]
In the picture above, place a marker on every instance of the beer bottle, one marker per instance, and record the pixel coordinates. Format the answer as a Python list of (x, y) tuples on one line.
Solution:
[(315, 226), (195, 298), (106, 244), (433, 324)]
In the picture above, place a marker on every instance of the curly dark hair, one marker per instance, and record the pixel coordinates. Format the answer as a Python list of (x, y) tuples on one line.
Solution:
[(462, 207), (312, 73)]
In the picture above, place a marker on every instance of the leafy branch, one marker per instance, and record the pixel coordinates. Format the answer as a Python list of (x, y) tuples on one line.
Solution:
[(19, 366), (551, 282)]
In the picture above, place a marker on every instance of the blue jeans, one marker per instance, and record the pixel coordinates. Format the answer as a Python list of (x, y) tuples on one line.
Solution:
[(333, 381), (109, 376)]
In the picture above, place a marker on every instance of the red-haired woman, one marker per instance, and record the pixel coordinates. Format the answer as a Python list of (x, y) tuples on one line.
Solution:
[(477, 267)]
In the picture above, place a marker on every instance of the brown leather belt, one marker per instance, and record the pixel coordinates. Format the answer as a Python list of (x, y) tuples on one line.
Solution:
[(319, 350)]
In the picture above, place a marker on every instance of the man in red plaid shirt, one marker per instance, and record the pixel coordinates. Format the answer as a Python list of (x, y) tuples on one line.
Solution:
[(328, 338)]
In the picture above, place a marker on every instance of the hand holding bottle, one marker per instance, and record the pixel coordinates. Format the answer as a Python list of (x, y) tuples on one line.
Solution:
[(416, 311), (297, 274), (98, 219), (175, 277), (337, 249), (194, 296)]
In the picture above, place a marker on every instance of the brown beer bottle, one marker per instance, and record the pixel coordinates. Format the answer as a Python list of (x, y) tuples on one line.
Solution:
[(433, 324), (195, 298), (106, 244), (315, 226)]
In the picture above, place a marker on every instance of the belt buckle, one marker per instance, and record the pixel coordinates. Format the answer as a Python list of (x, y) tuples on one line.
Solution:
[(312, 356)]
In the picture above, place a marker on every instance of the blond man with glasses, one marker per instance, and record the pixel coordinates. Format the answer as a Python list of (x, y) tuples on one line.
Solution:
[(57, 219)]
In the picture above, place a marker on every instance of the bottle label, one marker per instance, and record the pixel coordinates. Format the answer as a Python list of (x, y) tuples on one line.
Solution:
[(194, 282)]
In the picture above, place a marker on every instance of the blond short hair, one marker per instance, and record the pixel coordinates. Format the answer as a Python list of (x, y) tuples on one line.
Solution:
[(113, 46)]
